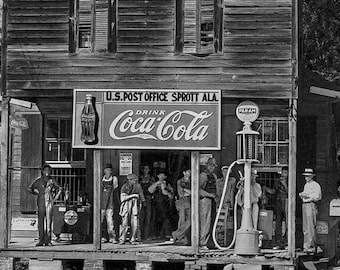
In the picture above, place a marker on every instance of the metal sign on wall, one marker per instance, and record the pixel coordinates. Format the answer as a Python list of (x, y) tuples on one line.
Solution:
[(147, 119)]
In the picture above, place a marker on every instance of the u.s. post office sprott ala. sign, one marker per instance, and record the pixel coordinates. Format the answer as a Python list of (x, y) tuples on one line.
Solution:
[(147, 119)]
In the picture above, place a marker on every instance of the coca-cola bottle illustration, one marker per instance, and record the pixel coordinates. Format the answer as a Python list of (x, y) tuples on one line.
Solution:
[(88, 121)]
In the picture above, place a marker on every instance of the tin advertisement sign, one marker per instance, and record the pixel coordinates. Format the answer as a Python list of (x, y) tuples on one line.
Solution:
[(147, 119)]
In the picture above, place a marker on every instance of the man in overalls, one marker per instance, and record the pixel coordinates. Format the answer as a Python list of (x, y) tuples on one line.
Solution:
[(47, 191)]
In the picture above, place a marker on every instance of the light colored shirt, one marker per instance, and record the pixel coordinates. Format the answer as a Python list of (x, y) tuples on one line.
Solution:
[(311, 192)]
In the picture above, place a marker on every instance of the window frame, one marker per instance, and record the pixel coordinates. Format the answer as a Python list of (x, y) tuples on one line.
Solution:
[(262, 142), (59, 141), (75, 28), (217, 31)]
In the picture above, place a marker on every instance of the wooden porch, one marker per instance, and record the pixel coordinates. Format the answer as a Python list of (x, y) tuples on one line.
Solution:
[(154, 252)]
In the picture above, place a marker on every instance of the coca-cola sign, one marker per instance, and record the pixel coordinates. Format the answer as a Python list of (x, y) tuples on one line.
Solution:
[(147, 119)]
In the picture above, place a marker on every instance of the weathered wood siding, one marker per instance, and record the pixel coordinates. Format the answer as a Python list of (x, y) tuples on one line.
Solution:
[(256, 59)]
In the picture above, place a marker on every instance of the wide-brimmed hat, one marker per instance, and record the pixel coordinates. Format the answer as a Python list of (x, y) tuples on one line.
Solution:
[(308, 171), (211, 162)]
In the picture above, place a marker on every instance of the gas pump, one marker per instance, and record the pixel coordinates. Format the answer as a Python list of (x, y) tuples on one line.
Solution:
[(246, 238)]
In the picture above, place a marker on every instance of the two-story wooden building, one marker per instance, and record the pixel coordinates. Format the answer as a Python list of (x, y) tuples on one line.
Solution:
[(246, 49)]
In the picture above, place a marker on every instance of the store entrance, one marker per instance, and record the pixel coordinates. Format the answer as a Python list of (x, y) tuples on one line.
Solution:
[(159, 171)]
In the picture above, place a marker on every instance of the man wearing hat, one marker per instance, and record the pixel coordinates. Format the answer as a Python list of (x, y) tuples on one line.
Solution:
[(163, 194), (207, 181), (310, 195), (109, 202), (131, 196), (47, 191)]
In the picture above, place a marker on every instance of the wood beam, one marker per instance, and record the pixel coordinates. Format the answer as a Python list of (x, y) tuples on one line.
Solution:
[(4, 203), (93, 25), (292, 177), (195, 213), (4, 49), (97, 169)]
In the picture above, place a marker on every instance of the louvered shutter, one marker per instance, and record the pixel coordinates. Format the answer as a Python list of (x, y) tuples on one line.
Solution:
[(102, 25)]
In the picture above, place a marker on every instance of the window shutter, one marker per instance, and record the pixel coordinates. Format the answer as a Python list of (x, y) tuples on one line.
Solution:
[(73, 26), (31, 160), (102, 25), (218, 25), (112, 40), (190, 32)]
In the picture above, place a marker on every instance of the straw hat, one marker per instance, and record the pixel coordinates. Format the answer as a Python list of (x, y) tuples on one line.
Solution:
[(308, 171)]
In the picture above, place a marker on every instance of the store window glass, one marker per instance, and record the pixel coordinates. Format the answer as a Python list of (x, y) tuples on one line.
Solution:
[(273, 141), (58, 142)]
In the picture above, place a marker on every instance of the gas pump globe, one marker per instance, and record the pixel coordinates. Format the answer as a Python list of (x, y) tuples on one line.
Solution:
[(247, 238)]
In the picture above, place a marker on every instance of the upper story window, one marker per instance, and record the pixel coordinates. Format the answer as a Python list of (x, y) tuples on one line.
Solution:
[(188, 26), (202, 26), (273, 141), (91, 26), (58, 141)]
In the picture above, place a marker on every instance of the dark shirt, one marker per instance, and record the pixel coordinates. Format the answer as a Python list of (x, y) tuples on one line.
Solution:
[(210, 185), (280, 190), (40, 185), (159, 196), (145, 183)]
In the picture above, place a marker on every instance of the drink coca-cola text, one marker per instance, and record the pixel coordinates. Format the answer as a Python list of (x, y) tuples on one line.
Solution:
[(129, 124)]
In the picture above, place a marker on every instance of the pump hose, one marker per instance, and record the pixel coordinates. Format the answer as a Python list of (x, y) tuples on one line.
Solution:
[(219, 212)]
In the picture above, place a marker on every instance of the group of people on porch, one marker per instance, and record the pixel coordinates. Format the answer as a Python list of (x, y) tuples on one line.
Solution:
[(147, 205)]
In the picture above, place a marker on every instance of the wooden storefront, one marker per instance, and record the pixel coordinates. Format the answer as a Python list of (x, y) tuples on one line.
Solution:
[(246, 49)]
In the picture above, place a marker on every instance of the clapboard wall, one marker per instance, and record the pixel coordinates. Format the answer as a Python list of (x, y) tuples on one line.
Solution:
[(255, 62)]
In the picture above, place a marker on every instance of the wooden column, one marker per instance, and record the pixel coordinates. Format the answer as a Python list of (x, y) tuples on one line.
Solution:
[(292, 178), (4, 203), (97, 174), (195, 213)]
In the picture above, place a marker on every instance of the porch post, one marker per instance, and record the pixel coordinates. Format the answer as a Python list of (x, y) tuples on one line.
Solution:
[(195, 213), (97, 168), (4, 198), (292, 177)]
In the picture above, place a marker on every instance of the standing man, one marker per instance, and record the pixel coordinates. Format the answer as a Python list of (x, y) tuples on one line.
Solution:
[(47, 191), (207, 181), (131, 196), (147, 212), (163, 195), (109, 202), (310, 195), (183, 205), (281, 208)]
